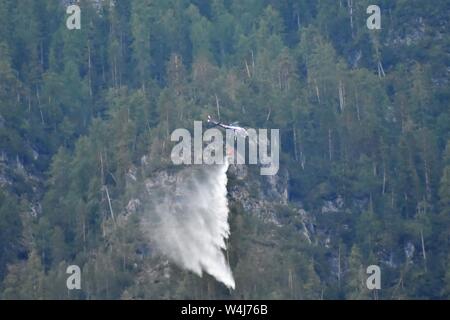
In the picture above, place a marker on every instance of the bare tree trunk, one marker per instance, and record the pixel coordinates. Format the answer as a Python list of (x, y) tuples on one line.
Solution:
[(253, 62), (295, 144), (279, 80), (302, 159), (381, 73), (39, 105), (167, 119), (341, 96), (103, 71), (115, 72), (330, 152), (109, 203), (41, 47), (291, 283), (84, 233), (89, 69), (248, 70), (121, 55), (392, 199), (358, 113), (350, 7), (102, 172), (317, 91), (339, 267), (423, 249), (218, 107), (427, 180)]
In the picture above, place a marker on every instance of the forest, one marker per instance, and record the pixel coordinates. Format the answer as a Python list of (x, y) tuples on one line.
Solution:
[(364, 119)]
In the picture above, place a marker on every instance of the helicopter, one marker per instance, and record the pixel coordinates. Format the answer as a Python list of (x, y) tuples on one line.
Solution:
[(233, 126)]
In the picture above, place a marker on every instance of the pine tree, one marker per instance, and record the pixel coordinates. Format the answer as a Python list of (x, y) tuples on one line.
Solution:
[(141, 25), (356, 277), (10, 230)]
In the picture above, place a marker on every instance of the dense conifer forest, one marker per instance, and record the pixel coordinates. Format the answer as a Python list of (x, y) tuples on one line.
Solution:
[(364, 118)]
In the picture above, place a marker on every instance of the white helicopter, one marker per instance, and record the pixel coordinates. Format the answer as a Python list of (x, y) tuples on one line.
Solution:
[(233, 126)]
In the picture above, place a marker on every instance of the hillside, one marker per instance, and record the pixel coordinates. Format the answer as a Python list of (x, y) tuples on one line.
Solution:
[(364, 120)]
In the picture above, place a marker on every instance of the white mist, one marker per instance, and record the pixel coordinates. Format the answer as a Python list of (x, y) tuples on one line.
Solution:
[(188, 220)]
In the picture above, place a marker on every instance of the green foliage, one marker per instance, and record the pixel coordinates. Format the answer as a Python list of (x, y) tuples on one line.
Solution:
[(86, 115), (10, 230)]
